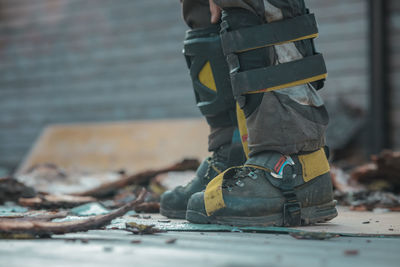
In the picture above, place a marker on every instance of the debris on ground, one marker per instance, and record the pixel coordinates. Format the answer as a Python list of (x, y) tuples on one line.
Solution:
[(375, 185), (170, 241), (351, 252), (89, 209), (108, 249), (52, 179), (17, 228), (12, 190), (44, 213), (370, 200), (313, 235), (141, 229), (46, 201), (141, 178), (382, 174), (368, 187), (148, 207), (37, 215)]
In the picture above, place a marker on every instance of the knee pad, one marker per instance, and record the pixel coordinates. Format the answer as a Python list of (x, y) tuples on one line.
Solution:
[(210, 76)]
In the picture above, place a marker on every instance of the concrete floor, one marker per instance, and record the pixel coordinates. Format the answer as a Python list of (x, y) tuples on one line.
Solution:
[(114, 248)]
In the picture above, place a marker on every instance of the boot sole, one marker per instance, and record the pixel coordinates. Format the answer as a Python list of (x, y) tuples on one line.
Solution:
[(309, 215), (173, 214)]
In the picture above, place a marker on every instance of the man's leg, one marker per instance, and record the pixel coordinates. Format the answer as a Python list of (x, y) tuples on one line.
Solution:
[(211, 83), (274, 74)]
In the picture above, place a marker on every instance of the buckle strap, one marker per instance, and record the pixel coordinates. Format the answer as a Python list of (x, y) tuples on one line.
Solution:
[(292, 214), (292, 207), (288, 30), (205, 46), (305, 70)]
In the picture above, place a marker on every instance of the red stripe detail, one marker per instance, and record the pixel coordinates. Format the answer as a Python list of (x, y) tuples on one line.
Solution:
[(279, 164), (245, 137)]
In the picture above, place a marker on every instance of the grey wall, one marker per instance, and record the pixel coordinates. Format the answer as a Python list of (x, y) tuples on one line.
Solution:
[(394, 75), (343, 40), (84, 60)]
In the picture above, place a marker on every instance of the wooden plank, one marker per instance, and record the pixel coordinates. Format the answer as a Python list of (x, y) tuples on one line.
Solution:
[(132, 146)]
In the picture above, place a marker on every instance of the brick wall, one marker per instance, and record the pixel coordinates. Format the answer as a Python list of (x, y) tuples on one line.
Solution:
[(67, 61)]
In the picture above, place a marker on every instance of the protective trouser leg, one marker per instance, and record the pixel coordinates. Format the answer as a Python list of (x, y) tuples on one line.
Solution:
[(275, 72), (211, 83)]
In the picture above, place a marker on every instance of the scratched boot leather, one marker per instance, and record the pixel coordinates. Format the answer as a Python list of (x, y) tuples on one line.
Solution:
[(270, 190), (173, 203)]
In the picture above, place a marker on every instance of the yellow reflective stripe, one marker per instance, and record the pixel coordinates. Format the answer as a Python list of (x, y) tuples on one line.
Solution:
[(311, 36), (206, 77), (314, 164), (213, 199), (292, 84), (241, 119), (216, 169)]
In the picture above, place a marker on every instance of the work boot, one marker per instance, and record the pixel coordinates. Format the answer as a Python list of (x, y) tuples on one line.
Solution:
[(174, 202), (269, 190)]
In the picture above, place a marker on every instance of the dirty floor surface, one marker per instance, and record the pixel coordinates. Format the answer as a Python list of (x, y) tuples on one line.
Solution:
[(121, 248)]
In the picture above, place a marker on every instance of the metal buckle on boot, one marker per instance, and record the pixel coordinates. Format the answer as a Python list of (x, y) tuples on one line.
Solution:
[(292, 213), (285, 160)]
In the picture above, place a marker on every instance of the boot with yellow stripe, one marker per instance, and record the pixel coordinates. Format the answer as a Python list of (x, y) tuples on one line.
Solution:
[(271, 189), (275, 72), (211, 83), (174, 202)]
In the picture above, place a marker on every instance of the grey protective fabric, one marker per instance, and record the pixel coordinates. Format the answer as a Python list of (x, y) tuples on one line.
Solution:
[(220, 136), (280, 124), (196, 13), (290, 120)]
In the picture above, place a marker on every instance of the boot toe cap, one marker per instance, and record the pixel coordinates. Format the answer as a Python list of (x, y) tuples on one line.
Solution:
[(196, 211), (172, 203)]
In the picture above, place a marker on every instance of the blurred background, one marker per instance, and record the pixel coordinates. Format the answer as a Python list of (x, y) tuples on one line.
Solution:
[(68, 61)]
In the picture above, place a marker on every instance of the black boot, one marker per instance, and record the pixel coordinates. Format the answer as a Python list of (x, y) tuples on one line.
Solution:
[(173, 203), (270, 189)]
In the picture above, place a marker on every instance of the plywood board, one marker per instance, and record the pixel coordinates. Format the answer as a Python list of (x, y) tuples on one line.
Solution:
[(360, 223), (133, 146), (348, 223)]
